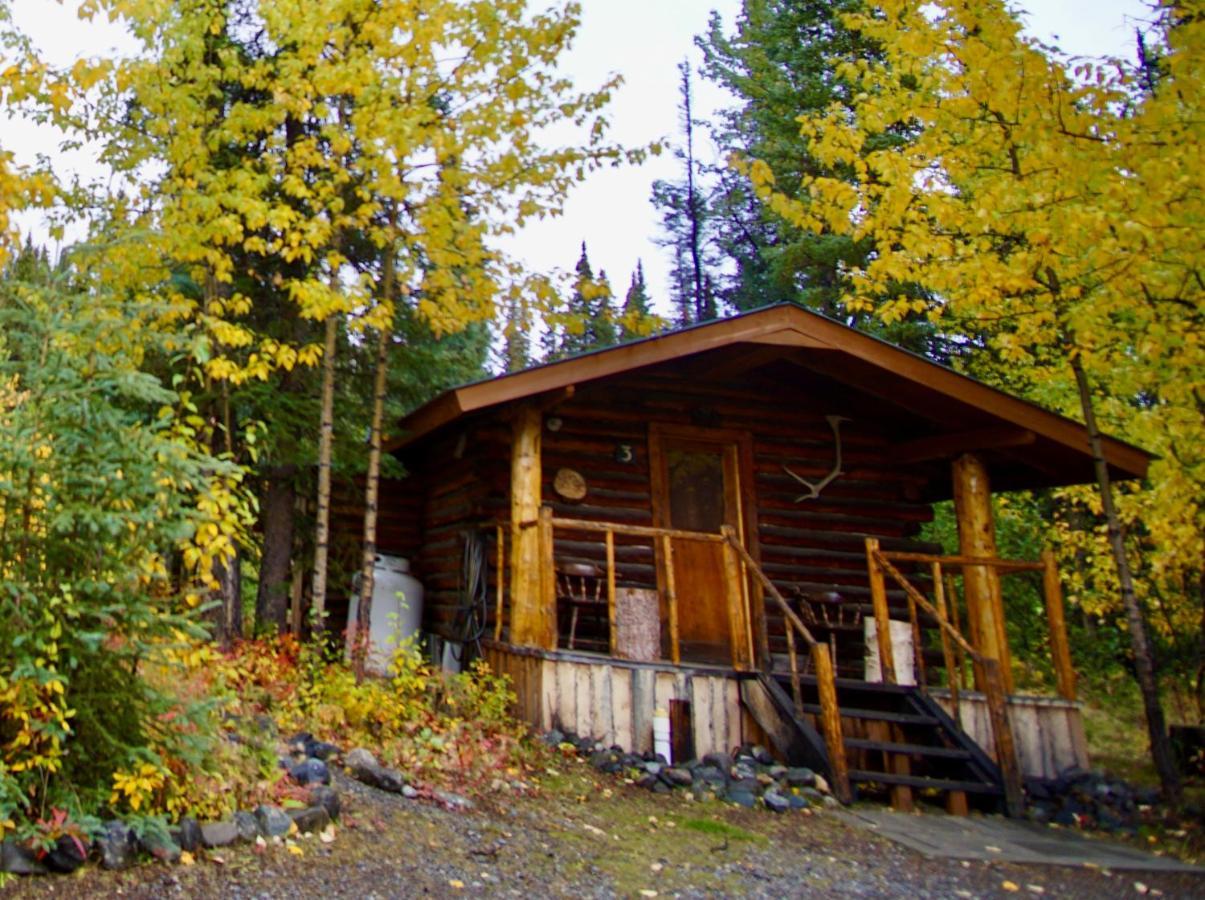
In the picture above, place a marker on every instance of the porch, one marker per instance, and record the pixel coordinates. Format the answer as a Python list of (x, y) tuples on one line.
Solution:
[(901, 728)]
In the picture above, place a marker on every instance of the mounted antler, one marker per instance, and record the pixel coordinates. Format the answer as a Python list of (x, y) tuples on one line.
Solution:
[(815, 488)]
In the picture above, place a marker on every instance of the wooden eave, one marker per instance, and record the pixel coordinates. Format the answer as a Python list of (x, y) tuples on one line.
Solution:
[(863, 362)]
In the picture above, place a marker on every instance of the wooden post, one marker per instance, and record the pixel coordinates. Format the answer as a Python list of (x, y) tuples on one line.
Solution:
[(1060, 649), (737, 621), (947, 651), (671, 598), (793, 661), (1002, 733), (830, 718), (530, 626), (918, 656), (613, 627), (500, 577), (547, 573), (981, 584), (882, 618)]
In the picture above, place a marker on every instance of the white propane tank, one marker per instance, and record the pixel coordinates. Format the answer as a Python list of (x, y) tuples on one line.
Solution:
[(397, 612)]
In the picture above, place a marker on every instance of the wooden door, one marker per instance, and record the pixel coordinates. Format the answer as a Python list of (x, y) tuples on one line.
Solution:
[(696, 475)]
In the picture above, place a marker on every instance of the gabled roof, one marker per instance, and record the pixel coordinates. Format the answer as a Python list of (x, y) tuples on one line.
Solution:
[(858, 360)]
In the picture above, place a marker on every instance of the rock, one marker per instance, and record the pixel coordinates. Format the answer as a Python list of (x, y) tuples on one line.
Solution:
[(321, 750), (552, 738), (798, 802), (358, 759), (821, 785), (647, 781), (721, 761), (800, 776), (764, 779), (741, 797), (660, 787), (160, 845), (310, 771), (272, 821), (118, 845), (247, 825), (365, 768), (187, 834), (453, 801), (67, 854), (751, 785), (711, 775), (653, 768), (18, 860), (408, 792), (327, 798), (741, 771), (219, 834), (775, 802), (312, 818), (811, 795), (678, 776), (777, 771), (762, 755)]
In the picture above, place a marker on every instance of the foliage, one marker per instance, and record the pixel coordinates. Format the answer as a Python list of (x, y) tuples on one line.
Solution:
[(1055, 207), (440, 728), (111, 518)]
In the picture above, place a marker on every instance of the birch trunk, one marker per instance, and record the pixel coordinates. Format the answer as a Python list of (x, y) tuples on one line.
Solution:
[(325, 440)]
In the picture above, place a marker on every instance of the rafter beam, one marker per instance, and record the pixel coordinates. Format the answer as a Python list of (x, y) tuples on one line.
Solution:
[(945, 446)]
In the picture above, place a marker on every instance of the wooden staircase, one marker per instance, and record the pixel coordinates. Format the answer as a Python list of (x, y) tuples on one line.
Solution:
[(896, 739)]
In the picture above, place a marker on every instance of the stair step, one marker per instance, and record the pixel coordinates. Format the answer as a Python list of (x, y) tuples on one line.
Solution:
[(920, 781), (910, 749), (877, 715)]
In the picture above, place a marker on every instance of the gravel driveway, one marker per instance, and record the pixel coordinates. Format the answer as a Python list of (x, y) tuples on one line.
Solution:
[(583, 835)]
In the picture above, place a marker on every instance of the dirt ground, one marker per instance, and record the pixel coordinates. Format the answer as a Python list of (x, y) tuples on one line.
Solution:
[(589, 836)]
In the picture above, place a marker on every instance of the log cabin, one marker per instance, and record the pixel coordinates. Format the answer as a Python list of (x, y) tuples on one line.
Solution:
[(723, 524)]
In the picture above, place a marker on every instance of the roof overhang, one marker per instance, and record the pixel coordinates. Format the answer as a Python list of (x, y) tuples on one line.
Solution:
[(858, 360)]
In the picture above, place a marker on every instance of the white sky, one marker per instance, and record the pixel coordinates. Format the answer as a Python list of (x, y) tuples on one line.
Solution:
[(643, 40)]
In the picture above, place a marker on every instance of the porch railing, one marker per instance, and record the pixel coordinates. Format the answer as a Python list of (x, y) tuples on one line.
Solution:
[(956, 649), (738, 618)]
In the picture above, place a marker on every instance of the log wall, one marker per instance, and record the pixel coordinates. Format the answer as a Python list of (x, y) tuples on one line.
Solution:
[(463, 478)]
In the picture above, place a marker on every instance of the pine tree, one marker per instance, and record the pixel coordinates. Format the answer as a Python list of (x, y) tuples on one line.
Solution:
[(779, 63), (636, 310), (686, 223)]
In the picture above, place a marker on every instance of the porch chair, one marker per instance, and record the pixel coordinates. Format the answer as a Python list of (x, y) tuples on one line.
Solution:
[(579, 586), (828, 611)]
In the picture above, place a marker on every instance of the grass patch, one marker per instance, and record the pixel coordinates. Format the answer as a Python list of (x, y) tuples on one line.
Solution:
[(716, 828)]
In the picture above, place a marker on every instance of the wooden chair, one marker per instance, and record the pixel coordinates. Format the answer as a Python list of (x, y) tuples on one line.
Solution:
[(828, 611), (579, 587)]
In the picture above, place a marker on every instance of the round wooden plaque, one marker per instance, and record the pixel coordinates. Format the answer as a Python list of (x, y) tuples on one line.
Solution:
[(569, 484)]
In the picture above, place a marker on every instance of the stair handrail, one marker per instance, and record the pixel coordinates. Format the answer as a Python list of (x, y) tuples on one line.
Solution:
[(997, 699), (826, 682)]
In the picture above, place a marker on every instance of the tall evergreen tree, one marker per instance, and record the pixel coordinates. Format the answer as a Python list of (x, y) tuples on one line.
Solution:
[(636, 311), (685, 221), (779, 63), (588, 322)]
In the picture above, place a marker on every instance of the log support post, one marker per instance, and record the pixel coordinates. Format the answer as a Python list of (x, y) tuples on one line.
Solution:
[(1060, 648), (532, 623), (977, 537)]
